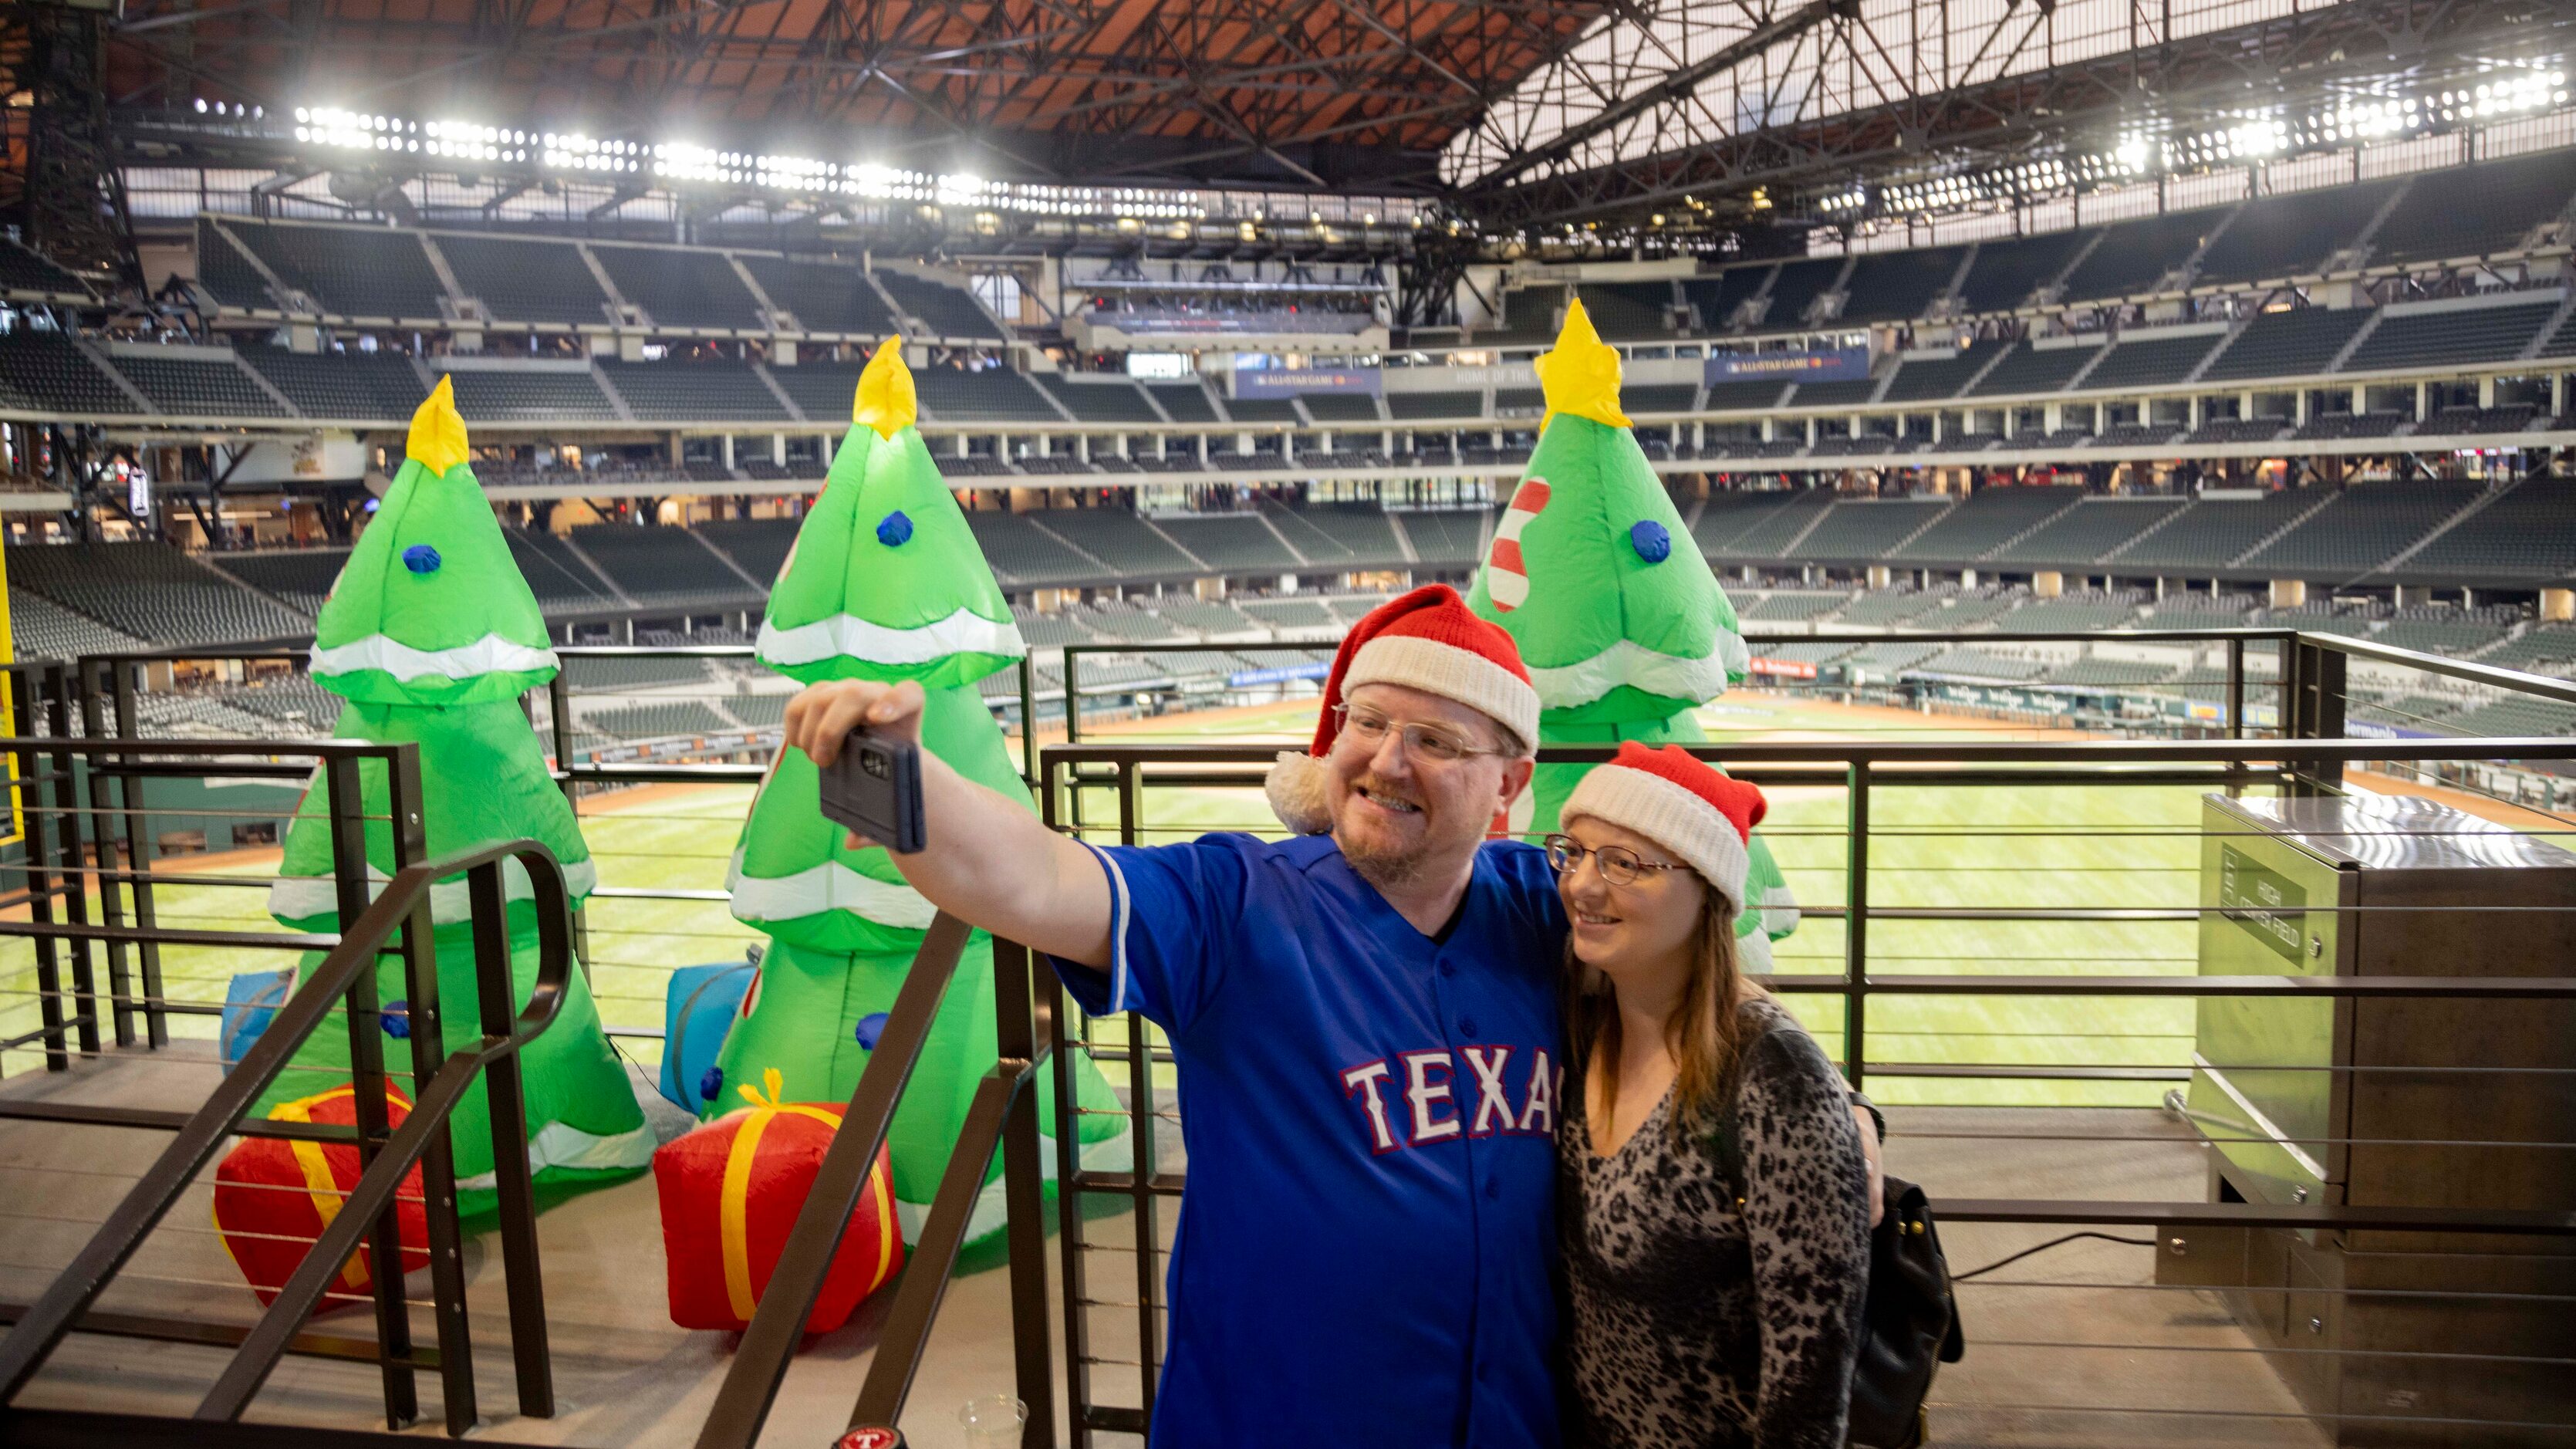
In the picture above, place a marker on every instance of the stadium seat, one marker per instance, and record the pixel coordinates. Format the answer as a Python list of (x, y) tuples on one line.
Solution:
[(1863, 530), (1423, 406), (24, 271), (991, 395), (352, 271), (1983, 522), (2027, 369), (822, 296), (1118, 538), (2291, 234), (2475, 211), (2529, 533), (300, 577), (2006, 272), (2286, 344), (1714, 299), (1449, 538), (1531, 316), (526, 281), (758, 546), (227, 275), (39, 628), (530, 395), (1628, 311), (666, 720), (653, 565), (1021, 551), (48, 372), (681, 286), (1241, 543), (1797, 287), (341, 386), (192, 384), (2214, 532), (2447, 336), (152, 591), (947, 310), (699, 390), (2142, 359), (1933, 380), (1899, 285), (556, 575), (1185, 402), (2134, 256), (1100, 398), (2084, 533)]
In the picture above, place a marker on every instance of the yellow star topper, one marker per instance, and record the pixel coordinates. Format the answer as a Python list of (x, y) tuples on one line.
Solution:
[(1580, 374), (437, 439), (886, 401)]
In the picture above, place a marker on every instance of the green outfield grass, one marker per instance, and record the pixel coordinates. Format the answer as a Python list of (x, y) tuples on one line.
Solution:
[(2077, 844)]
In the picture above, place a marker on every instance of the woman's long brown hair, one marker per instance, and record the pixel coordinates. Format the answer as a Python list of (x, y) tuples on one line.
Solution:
[(1705, 1033)]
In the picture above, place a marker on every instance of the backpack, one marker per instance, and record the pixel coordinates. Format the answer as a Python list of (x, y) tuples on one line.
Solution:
[(1909, 1321)]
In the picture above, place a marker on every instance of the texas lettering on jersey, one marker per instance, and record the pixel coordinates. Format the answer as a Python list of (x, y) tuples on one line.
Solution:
[(1420, 1098)]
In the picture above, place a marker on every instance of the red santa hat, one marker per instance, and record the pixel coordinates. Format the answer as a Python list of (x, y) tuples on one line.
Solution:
[(1425, 640), (1689, 808)]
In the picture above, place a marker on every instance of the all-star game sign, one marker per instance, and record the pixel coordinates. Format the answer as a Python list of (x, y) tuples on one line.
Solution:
[(1619, 619)]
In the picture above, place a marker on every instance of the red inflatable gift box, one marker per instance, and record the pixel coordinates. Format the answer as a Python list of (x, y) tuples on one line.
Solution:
[(273, 1197), (731, 1191)]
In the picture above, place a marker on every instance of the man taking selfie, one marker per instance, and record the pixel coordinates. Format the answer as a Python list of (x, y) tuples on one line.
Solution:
[(1366, 1027)]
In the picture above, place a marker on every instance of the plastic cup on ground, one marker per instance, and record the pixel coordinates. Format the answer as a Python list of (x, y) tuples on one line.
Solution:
[(994, 1421)]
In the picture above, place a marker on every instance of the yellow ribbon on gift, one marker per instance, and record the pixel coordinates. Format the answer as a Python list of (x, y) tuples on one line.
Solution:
[(732, 1213), (319, 1185)]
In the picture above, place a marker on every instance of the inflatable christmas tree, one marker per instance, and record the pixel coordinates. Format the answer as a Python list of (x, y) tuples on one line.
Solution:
[(884, 582), (431, 635), (1624, 629)]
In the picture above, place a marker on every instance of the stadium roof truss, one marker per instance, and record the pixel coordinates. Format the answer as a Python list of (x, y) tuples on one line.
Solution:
[(1314, 93), (1730, 105)]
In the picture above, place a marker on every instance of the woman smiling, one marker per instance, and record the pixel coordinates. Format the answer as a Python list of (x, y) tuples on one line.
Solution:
[(1713, 1194)]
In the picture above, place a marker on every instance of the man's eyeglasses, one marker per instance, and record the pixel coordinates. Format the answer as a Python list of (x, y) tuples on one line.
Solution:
[(1617, 863), (1437, 744)]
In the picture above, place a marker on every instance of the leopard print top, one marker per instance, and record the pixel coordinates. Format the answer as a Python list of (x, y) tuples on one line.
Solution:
[(1700, 1320)]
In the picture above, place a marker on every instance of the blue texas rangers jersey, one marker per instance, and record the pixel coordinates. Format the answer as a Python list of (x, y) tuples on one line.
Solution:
[(1365, 1248)]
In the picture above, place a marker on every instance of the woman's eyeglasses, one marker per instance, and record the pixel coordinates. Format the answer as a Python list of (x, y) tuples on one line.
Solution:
[(1437, 744), (1617, 863)]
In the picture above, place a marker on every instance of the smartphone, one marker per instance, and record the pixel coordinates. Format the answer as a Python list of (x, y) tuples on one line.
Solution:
[(874, 788)]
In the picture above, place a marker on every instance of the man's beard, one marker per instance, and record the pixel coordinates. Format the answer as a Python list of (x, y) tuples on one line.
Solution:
[(1383, 863), (1385, 866)]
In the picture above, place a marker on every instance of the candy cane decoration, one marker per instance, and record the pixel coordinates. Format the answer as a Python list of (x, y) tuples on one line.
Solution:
[(1506, 581)]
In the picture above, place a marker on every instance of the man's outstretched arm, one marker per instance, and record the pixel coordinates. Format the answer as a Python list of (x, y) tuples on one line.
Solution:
[(988, 861)]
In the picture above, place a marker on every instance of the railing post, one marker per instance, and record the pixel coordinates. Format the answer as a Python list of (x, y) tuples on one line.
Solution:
[(428, 1039), (1028, 673), (42, 881), (1018, 1038), (2236, 689), (505, 1100), (1070, 1229), (2319, 706), (106, 825), (1140, 1116), (131, 794), (1856, 928), (349, 877), (62, 812)]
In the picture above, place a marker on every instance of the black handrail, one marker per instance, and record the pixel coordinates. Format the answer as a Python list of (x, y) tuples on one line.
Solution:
[(354, 959), (1003, 1116)]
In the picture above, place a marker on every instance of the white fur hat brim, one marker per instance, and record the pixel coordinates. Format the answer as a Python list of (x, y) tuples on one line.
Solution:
[(1692, 829)]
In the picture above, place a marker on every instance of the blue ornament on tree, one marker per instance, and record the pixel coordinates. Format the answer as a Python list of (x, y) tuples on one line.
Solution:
[(894, 530), (1651, 540), (870, 1027), (420, 558)]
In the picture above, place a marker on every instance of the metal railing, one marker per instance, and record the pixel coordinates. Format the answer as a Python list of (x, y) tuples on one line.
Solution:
[(1104, 790), (396, 922), (1071, 781)]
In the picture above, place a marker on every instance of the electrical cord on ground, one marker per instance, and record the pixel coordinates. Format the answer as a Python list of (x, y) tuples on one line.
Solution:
[(2044, 1247)]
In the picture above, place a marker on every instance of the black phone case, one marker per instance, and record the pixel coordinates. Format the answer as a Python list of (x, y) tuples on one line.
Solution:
[(874, 788)]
